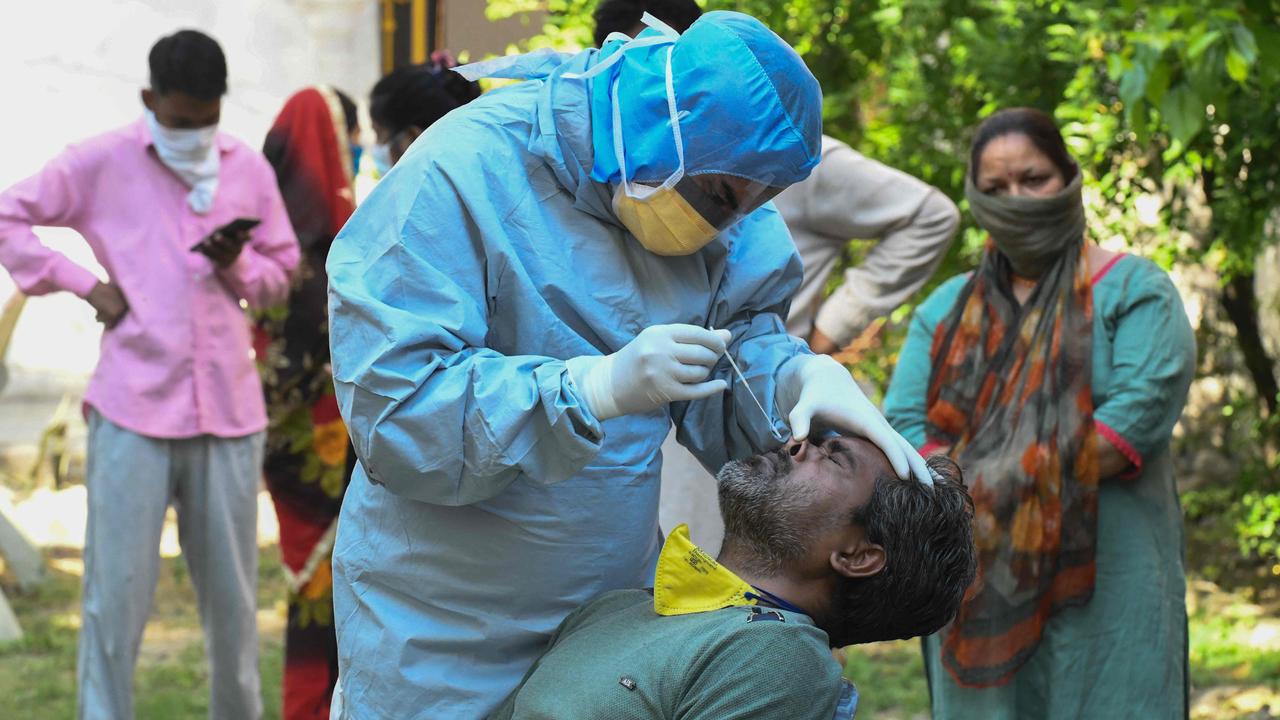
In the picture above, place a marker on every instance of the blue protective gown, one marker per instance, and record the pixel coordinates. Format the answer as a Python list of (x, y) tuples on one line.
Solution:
[(488, 502)]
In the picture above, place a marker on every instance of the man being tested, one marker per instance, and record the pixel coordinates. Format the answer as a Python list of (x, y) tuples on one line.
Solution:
[(824, 547), (520, 311)]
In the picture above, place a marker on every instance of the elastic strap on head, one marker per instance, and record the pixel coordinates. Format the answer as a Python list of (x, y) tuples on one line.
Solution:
[(537, 64), (619, 147), (656, 24), (666, 34), (617, 56)]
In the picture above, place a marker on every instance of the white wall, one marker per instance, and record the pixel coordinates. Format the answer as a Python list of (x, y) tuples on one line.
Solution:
[(73, 68)]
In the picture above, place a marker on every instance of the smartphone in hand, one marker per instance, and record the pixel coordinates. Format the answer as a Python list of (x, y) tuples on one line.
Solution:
[(232, 228)]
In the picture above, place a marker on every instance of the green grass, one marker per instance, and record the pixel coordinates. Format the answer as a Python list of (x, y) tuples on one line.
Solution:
[(1235, 653), (890, 679), (1233, 641), (38, 673)]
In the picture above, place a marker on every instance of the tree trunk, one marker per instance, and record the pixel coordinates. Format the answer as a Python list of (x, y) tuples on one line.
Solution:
[(1242, 308)]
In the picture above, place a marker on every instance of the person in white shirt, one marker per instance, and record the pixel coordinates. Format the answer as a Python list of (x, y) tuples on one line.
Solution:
[(852, 196)]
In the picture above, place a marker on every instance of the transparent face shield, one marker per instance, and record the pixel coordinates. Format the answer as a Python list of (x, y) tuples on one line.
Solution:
[(724, 199)]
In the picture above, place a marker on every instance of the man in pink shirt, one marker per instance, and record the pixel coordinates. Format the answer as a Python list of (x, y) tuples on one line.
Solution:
[(175, 406)]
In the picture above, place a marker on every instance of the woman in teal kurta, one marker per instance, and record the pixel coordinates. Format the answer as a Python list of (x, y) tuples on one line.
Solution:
[(1116, 645)]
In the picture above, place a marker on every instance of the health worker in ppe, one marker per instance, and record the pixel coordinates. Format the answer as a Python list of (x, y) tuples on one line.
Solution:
[(550, 278)]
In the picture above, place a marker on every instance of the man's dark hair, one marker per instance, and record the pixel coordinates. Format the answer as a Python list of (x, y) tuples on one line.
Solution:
[(930, 560), (1036, 126), (188, 62), (622, 15), (418, 95)]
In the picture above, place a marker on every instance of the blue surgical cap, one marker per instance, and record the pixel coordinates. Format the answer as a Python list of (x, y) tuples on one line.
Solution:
[(747, 105)]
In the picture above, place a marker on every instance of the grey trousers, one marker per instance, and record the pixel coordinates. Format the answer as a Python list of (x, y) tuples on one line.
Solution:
[(212, 483)]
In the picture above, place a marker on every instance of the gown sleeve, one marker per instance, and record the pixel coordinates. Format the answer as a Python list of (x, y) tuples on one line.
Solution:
[(434, 414), (762, 273)]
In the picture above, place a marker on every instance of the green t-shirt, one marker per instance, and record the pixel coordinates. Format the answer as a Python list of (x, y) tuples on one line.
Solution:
[(615, 658)]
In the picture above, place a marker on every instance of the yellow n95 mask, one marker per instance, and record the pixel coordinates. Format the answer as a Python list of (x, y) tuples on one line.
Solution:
[(690, 581), (663, 222)]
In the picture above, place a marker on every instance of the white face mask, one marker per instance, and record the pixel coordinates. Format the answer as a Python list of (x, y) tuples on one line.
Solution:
[(193, 144), (191, 155), (381, 154)]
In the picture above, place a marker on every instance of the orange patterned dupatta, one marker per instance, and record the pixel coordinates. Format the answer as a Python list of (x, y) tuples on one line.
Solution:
[(1009, 392)]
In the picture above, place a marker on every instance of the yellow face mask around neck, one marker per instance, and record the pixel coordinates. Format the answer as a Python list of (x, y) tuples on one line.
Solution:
[(691, 581), (663, 221)]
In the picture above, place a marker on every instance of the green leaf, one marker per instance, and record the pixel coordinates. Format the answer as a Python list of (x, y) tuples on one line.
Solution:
[(1242, 41), (1158, 82), (1133, 84), (1183, 113), (1205, 76), (1136, 115), (1115, 66), (1202, 43), (1237, 66), (888, 16)]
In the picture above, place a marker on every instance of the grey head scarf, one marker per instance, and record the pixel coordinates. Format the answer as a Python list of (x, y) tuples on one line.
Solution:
[(1032, 232)]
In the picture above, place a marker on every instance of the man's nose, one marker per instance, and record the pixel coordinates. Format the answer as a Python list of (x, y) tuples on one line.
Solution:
[(798, 448)]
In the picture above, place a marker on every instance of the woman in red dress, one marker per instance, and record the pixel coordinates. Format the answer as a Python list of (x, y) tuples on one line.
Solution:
[(308, 460)]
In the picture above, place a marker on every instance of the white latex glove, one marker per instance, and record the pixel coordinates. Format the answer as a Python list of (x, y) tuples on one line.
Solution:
[(663, 364), (815, 387)]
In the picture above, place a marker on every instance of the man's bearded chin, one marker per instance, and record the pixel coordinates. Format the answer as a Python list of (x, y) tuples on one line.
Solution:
[(752, 493), (750, 477), (766, 517)]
